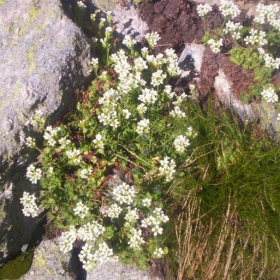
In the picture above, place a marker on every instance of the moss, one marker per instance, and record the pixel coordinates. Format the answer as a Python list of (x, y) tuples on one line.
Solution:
[(2, 2), (39, 260), (17, 267)]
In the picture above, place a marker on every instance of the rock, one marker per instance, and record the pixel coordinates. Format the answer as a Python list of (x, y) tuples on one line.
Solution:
[(125, 17), (114, 270), (44, 58), (49, 263)]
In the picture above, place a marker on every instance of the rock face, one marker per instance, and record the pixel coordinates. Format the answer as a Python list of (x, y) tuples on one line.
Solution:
[(49, 263), (44, 58)]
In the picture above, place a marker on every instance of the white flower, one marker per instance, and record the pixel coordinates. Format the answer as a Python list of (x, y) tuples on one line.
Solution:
[(103, 253), (148, 96), (94, 62), (74, 156), (51, 134), (140, 64), (152, 39), (136, 240), (168, 91), (158, 253), (141, 108), (269, 95), (180, 143), (30, 142), (131, 216), (99, 141), (144, 51), (234, 29), (66, 239), (126, 113), (128, 41), (203, 9), (177, 112), (33, 174), (91, 231), (124, 193), (256, 38), (167, 168), (146, 202), (29, 205), (64, 142), (268, 12), (81, 4), (81, 210), (215, 45), (229, 9), (158, 78), (157, 230), (114, 211), (143, 127), (86, 257)]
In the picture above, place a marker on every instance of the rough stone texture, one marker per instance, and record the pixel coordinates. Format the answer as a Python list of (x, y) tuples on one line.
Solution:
[(44, 58), (114, 270), (126, 17), (50, 264)]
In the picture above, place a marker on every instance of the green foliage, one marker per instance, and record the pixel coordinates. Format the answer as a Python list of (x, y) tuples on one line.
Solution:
[(228, 191)]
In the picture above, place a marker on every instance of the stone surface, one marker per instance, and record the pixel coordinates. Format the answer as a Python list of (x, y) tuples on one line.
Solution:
[(126, 17), (44, 58), (50, 264)]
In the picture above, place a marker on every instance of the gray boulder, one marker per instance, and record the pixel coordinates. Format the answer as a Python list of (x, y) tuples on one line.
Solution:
[(44, 59)]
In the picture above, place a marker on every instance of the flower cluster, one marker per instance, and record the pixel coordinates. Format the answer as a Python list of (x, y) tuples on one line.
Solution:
[(173, 68), (90, 231), (233, 29), (99, 141), (128, 41), (30, 142), (90, 257), (269, 95), (114, 211), (269, 61), (229, 9), (146, 202), (256, 38), (131, 216), (81, 4), (126, 113), (158, 253), (148, 96), (158, 78), (64, 142), (124, 193), (66, 239), (51, 135), (180, 143), (155, 220), (267, 12), (38, 120), (143, 127), (33, 174), (81, 210), (29, 205), (177, 112), (74, 156), (152, 39), (167, 168), (215, 45), (135, 238), (85, 173), (203, 9)]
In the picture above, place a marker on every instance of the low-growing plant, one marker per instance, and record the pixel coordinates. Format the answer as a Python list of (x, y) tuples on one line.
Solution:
[(128, 119)]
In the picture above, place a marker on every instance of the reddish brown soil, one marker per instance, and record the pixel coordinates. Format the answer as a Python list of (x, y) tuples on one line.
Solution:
[(178, 23)]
